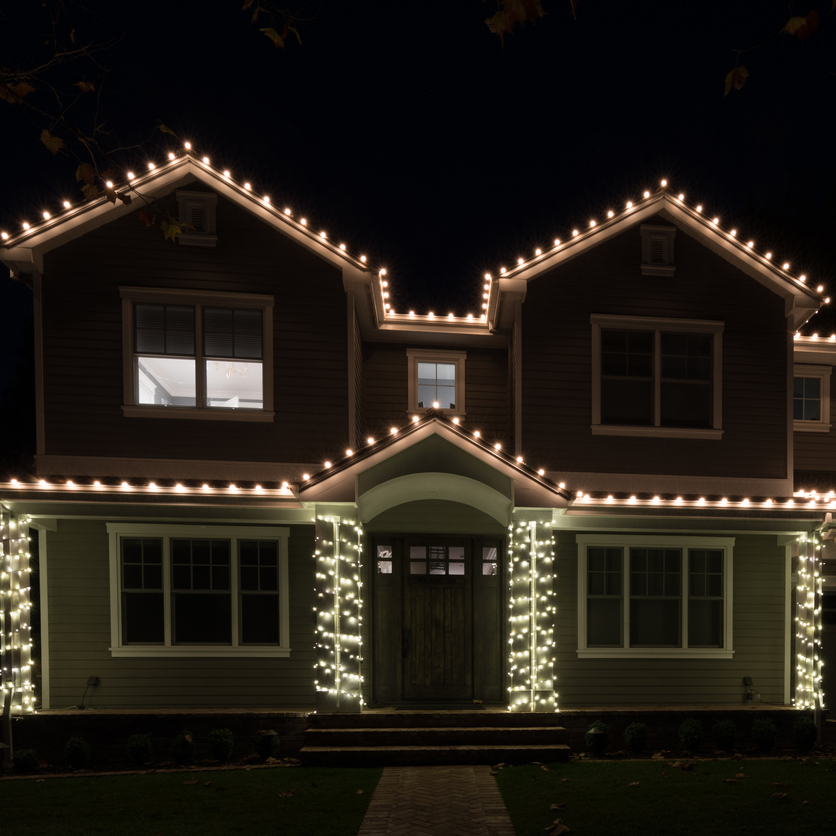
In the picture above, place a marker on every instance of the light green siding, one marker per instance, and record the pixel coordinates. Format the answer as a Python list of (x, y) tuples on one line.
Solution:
[(431, 516), (79, 639), (758, 635)]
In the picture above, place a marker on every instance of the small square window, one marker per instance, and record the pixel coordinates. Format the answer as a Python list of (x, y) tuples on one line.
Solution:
[(657, 250), (436, 380), (811, 398), (197, 218)]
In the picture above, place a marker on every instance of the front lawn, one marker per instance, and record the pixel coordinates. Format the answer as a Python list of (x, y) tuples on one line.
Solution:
[(259, 801), (740, 797)]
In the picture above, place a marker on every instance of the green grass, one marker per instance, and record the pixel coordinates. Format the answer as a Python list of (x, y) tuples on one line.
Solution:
[(599, 801), (324, 802)]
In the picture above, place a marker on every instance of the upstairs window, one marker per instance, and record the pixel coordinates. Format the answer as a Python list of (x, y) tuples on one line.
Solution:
[(656, 377), (197, 218), (209, 358), (811, 398), (436, 380)]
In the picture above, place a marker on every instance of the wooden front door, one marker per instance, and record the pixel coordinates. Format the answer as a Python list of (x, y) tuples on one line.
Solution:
[(437, 631), (437, 622)]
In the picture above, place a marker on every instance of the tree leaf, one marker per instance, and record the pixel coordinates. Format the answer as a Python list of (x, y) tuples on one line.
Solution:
[(171, 229), (85, 172), (165, 129), (15, 93), (512, 12), (811, 23), (54, 143), (146, 217), (247, 4), (793, 25), (110, 194), (274, 36), (295, 32), (85, 86), (91, 191), (256, 12), (736, 79), (125, 198)]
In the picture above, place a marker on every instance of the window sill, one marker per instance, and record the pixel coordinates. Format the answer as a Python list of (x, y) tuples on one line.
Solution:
[(449, 413), (186, 652), (655, 653), (253, 415), (810, 427), (657, 432)]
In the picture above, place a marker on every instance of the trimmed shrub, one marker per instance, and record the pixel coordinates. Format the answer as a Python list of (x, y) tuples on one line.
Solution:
[(635, 737), (77, 753), (724, 732), (140, 750), (221, 742), (806, 734), (267, 746), (25, 760), (182, 749), (598, 738), (763, 734), (690, 735)]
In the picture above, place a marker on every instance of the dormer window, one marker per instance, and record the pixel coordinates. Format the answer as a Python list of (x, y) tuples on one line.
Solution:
[(197, 218), (436, 380), (657, 250)]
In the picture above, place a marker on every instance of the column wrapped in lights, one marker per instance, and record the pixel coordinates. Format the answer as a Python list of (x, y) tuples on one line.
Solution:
[(532, 611), (15, 614), (339, 613), (808, 624)]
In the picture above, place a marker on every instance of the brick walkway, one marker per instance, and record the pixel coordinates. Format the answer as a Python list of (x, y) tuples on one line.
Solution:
[(430, 800)]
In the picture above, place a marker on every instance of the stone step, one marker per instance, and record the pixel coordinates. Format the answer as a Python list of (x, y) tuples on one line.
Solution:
[(429, 719), (430, 755), (437, 736)]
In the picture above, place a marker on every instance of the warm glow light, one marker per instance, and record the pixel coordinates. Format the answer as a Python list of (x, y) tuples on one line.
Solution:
[(46, 216), (327, 464), (247, 186), (663, 183), (306, 476), (187, 146), (66, 204), (477, 434), (206, 160)]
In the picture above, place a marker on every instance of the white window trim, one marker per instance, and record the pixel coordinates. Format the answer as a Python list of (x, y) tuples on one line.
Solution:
[(116, 531), (823, 424), (156, 295), (650, 234), (185, 202), (643, 323), (428, 355), (640, 541)]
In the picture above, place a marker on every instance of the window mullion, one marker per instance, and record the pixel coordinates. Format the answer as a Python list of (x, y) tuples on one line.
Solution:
[(167, 598), (657, 378)]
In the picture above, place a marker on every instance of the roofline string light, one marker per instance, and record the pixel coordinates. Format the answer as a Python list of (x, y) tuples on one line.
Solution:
[(338, 606), (16, 613), (532, 612), (808, 624)]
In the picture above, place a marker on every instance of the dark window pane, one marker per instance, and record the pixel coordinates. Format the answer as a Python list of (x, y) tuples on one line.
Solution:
[(603, 622), (153, 576), (220, 577), (596, 560), (152, 551), (249, 552), (627, 402), (247, 343), (217, 332), (132, 576), (249, 578), (597, 583), (182, 577), (179, 329), (205, 618), (269, 578), (812, 411), (705, 623), (798, 387), (798, 410), (655, 623), (686, 404), (132, 550), (181, 551), (201, 551), (201, 578), (259, 619), (142, 618), (269, 553), (150, 328), (812, 387)]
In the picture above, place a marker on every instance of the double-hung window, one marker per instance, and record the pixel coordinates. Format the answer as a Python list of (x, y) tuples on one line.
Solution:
[(654, 377), (197, 355), (811, 398), (180, 590), (436, 380), (654, 597)]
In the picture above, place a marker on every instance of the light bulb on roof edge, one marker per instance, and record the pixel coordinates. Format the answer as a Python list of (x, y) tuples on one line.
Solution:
[(591, 224), (131, 175), (66, 204), (151, 166), (247, 186), (610, 213), (266, 198), (170, 155), (647, 194), (226, 173), (25, 225), (363, 259), (698, 208), (629, 204), (187, 146), (206, 160), (663, 183), (574, 232), (46, 216)]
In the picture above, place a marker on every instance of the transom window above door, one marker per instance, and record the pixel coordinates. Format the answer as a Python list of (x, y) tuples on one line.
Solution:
[(658, 378), (437, 560), (436, 380)]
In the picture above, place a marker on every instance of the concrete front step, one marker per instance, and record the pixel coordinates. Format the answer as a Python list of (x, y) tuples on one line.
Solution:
[(429, 719), (429, 755), (437, 736)]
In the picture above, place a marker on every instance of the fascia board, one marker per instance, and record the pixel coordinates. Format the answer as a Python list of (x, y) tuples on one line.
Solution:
[(819, 352), (150, 186)]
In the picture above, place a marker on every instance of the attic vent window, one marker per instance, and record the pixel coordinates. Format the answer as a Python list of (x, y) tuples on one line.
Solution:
[(657, 250), (197, 218)]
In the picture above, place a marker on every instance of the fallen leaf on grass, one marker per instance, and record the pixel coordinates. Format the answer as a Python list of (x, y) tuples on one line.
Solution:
[(740, 775), (564, 780), (633, 784), (737, 756), (545, 769), (190, 783), (730, 780), (558, 807), (557, 828), (656, 756), (41, 780), (499, 766), (206, 783), (286, 794), (359, 792), (780, 784), (779, 795), (804, 802)]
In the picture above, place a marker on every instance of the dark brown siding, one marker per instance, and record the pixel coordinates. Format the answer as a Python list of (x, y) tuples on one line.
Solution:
[(557, 362), (83, 341), (385, 389)]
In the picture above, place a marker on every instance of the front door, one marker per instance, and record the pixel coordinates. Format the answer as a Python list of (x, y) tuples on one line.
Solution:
[(436, 619), (437, 644)]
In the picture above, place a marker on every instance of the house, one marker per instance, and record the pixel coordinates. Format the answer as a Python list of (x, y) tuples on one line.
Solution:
[(260, 482)]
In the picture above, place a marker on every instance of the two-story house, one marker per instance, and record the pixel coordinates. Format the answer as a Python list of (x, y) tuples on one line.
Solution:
[(260, 484)]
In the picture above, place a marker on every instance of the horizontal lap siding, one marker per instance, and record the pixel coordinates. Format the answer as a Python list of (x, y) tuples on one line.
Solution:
[(79, 639), (386, 398), (557, 361), (758, 635), (83, 341), (817, 451)]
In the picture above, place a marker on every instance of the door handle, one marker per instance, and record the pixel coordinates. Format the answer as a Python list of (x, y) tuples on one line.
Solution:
[(406, 642)]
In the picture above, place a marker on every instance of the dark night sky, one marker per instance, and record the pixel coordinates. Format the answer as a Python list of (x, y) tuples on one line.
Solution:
[(406, 130)]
